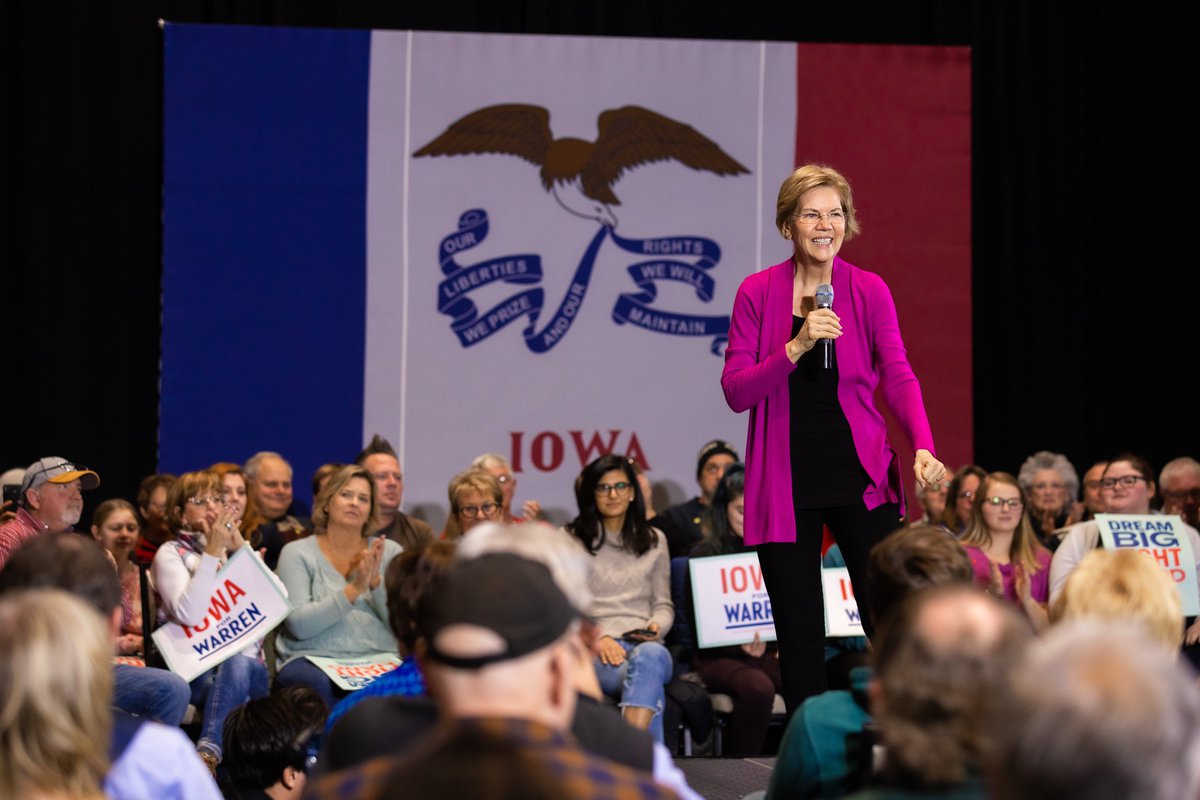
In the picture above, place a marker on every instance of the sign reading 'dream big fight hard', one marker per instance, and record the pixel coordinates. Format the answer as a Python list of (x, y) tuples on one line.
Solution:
[(1164, 538), (246, 604)]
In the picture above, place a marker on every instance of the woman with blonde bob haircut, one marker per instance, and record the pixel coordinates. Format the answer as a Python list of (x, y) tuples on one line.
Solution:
[(335, 583), (55, 713), (475, 497), (1124, 585)]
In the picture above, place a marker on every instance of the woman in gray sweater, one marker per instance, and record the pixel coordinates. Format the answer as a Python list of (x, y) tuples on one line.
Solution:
[(630, 584)]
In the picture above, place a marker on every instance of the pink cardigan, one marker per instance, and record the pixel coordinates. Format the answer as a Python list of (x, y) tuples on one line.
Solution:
[(755, 377)]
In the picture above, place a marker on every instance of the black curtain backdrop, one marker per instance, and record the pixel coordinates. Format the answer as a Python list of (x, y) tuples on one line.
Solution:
[(1082, 335)]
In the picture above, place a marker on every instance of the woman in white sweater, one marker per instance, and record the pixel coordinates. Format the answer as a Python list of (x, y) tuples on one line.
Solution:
[(185, 575), (630, 584)]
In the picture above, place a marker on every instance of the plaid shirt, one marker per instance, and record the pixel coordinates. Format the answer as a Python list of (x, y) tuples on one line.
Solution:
[(580, 775)]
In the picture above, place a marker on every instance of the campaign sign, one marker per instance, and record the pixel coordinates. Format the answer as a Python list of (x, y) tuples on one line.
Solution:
[(247, 603), (355, 673), (1164, 538), (730, 600), (841, 609)]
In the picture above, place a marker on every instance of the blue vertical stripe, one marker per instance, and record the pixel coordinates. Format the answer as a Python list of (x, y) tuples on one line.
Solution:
[(264, 245)]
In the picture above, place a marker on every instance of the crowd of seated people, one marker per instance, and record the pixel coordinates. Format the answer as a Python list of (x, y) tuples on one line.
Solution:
[(547, 650)]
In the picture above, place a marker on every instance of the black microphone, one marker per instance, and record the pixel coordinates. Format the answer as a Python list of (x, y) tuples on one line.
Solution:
[(825, 300)]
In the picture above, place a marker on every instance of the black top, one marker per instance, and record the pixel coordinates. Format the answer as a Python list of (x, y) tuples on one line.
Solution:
[(826, 472)]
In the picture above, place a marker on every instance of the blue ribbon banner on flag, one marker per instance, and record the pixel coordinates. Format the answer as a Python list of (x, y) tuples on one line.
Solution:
[(472, 327)]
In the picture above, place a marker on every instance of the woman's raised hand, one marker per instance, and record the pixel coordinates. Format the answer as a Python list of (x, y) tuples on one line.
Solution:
[(223, 535), (364, 568)]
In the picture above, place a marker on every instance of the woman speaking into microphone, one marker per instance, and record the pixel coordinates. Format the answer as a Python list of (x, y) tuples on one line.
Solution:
[(817, 452)]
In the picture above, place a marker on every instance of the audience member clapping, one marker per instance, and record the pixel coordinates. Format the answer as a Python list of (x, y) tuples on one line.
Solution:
[(411, 579), (236, 495), (335, 584), (1051, 485), (185, 575), (1007, 557)]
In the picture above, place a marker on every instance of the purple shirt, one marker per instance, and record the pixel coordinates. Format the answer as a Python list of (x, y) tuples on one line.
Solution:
[(870, 354), (1039, 582)]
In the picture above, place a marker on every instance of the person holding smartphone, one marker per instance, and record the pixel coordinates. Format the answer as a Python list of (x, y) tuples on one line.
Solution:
[(631, 590)]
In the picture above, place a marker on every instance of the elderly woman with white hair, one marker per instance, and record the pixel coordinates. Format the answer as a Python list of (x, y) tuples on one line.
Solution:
[(1052, 485)]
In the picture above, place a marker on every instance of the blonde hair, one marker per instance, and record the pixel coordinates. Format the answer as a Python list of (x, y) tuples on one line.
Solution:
[(472, 479), (55, 710), (807, 178), (335, 484), (1123, 585), (188, 485), (1025, 546)]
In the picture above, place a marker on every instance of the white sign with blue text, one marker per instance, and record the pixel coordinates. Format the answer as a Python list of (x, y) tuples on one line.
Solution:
[(246, 604), (1162, 537), (841, 608), (730, 600)]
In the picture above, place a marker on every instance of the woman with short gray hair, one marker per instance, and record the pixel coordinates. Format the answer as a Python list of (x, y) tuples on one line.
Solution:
[(1052, 486)]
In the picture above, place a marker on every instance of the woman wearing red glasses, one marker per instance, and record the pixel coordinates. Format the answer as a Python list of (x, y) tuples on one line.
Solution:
[(1005, 552)]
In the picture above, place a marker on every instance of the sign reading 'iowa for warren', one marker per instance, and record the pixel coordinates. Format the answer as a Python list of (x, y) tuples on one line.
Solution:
[(245, 605)]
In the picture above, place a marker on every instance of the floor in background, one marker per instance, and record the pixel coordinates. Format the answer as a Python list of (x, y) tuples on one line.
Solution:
[(726, 778)]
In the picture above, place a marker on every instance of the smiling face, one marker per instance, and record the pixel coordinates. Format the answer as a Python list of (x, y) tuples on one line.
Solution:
[(1121, 499), (350, 506), (814, 227), (117, 533), (272, 488), (1003, 518)]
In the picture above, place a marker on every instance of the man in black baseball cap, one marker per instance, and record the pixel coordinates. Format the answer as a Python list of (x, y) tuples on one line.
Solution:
[(51, 502), (502, 641), (681, 523)]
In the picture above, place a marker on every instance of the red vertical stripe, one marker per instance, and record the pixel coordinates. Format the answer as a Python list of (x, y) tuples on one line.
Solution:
[(896, 121)]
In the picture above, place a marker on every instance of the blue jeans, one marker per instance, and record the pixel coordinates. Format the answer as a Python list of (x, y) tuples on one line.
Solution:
[(231, 684), (151, 693), (639, 680), (302, 672)]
